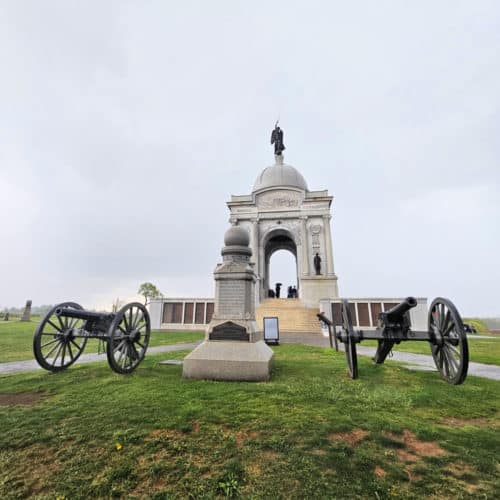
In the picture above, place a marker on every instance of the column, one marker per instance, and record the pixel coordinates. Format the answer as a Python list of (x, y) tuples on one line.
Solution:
[(305, 246), (255, 244), (328, 244)]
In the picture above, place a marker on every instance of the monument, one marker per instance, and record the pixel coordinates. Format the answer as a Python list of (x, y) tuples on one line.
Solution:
[(282, 213), (27, 312), (233, 348)]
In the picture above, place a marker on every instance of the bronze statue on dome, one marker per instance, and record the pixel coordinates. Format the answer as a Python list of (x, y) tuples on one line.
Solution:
[(277, 140)]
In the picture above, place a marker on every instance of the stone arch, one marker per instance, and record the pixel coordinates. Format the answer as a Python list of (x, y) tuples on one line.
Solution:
[(274, 240)]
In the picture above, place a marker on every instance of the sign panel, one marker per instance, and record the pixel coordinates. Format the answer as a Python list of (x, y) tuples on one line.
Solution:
[(271, 330)]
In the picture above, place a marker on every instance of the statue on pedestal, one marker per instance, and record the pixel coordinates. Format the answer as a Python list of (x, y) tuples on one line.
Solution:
[(277, 140)]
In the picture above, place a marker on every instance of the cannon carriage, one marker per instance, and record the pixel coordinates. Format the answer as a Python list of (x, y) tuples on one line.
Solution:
[(61, 336), (445, 334)]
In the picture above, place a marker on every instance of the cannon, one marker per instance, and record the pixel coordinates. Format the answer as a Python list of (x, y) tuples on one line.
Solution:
[(445, 334), (61, 336)]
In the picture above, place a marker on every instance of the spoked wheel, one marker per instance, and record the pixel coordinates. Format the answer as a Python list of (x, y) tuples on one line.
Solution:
[(128, 338), (450, 350), (54, 344), (349, 344)]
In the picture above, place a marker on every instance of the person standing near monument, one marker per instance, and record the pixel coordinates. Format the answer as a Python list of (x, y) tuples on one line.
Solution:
[(278, 290), (277, 140)]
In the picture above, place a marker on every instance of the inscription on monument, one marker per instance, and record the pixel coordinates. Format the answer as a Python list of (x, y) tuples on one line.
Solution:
[(279, 199), (229, 331)]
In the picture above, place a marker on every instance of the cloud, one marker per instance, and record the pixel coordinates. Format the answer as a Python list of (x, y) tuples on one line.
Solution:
[(124, 129)]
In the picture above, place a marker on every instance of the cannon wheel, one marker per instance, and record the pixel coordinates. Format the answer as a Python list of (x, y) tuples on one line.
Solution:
[(451, 351), (54, 344), (350, 344), (128, 338)]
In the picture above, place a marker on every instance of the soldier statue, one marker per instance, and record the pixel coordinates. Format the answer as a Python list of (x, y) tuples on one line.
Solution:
[(277, 140), (317, 264)]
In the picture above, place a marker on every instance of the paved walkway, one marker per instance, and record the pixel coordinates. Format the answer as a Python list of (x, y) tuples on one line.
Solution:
[(413, 361), (31, 364)]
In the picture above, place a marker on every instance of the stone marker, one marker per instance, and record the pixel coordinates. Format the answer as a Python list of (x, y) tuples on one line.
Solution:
[(233, 348), (27, 311)]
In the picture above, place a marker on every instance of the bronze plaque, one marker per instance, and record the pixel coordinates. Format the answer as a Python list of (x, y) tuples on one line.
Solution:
[(229, 331)]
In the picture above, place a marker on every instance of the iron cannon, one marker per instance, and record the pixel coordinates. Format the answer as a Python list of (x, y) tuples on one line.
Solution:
[(445, 334), (61, 336)]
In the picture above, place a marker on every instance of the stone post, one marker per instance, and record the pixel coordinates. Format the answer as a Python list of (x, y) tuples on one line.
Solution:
[(27, 311)]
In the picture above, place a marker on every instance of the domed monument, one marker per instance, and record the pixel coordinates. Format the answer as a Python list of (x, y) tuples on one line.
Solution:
[(281, 213)]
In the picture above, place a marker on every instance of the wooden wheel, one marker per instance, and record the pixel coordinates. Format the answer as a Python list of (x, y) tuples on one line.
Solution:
[(449, 347), (54, 343), (128, 338), (350, 342)]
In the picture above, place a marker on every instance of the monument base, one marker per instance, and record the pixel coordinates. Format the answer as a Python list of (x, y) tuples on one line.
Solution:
[(226, 360), (315, 288)]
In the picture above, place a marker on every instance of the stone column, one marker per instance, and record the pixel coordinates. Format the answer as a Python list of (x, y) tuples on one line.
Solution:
[(256, 259), (255, 241), (328, 244), (305, 243)]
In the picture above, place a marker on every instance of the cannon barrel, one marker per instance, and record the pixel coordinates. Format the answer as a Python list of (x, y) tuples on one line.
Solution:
[(397, 312), (70, 312)]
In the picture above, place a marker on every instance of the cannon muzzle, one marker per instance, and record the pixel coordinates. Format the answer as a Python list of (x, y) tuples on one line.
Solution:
[(396, 313), (70, 312)]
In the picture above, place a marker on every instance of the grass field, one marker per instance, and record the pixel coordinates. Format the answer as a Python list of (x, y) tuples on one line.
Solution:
[(16, 340), (309, 433), (16, 343), (481, 350)]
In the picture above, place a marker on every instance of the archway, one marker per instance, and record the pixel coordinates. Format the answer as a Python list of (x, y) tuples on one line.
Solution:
[(278, 240), (283, 269)]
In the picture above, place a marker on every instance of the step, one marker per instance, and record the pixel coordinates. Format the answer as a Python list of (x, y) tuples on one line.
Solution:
[(293, 316)]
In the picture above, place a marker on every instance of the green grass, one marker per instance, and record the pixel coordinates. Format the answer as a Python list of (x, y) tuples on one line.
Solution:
[(478, 324), (309, 433), (16, 339), (480, 350)]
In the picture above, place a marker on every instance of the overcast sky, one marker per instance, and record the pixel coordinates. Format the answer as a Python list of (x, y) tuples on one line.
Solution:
[(126, 126)]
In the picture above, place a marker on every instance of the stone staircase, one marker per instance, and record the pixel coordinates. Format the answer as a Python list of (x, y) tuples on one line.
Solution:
[(293, 316)]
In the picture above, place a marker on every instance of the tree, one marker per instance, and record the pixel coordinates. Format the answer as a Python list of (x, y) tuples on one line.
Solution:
[(149, 291)]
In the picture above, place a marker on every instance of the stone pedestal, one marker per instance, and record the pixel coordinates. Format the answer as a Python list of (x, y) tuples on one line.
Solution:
[(233, 348), (315, 288)]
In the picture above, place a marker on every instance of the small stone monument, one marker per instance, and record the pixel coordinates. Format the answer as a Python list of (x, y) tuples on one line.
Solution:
[(233, 348), (27, 311)]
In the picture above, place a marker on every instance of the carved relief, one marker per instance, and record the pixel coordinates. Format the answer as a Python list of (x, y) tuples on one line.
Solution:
[(279, 200), (315, 232)]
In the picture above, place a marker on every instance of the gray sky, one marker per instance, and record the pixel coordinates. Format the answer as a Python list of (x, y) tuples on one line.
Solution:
[(126, 126)]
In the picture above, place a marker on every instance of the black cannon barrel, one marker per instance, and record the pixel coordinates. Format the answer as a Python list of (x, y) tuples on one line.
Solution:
[(397, 312), (70, 312)]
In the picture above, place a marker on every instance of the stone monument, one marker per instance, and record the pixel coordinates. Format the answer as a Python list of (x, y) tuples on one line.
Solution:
[(27, 311), (281, 213), (233, 348)]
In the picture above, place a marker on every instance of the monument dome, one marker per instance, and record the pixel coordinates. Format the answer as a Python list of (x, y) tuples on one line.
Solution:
[(236, 236), (280, 174)]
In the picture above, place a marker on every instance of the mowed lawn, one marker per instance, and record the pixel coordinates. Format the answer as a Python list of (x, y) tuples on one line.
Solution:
[(16, 340), (481, 350), (311, 432)]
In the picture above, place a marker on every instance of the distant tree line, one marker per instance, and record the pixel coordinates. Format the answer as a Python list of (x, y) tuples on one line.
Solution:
[(17, 311)]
